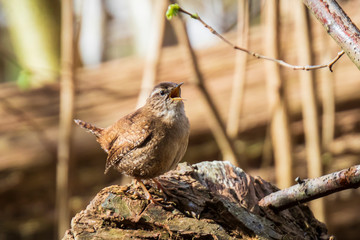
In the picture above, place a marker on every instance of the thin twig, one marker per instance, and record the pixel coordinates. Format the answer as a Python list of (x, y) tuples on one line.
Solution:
[(310, 189), (281, 62)]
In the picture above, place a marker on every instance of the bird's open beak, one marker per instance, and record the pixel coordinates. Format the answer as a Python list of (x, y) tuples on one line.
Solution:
[(175, 94)]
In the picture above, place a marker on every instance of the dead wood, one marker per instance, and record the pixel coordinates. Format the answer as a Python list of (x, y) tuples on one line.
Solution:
[(310, 189), (210, 200)]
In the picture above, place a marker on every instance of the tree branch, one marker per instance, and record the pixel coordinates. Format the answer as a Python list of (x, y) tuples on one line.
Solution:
[(310, 189), (338, 25), (175, 8)]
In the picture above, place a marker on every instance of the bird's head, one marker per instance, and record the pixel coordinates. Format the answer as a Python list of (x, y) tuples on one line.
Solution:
[(166, 99)]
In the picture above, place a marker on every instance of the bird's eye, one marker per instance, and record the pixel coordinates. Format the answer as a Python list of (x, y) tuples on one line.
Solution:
[(162, 92)]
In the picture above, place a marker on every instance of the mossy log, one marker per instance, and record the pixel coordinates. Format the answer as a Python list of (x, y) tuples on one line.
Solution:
[(208, 200)]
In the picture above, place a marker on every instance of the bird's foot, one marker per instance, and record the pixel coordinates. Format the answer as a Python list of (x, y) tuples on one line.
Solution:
[(147, 193), (165, 191), (157, 201)]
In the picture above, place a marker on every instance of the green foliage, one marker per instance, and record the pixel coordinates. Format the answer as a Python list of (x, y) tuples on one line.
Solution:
[(172, 11)]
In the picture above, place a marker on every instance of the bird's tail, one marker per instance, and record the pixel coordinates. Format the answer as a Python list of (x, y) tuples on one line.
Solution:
[(89, 127)]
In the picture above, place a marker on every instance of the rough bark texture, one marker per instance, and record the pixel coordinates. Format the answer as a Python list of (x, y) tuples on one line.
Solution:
[(209, 200)]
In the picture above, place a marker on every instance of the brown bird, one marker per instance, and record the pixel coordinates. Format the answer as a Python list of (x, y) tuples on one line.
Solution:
[(150, 141)]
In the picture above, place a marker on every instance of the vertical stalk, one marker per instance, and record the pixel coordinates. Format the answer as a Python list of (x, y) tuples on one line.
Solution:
[(216, 124), (66, 116), (309, 104), (279, 128), (237, 95), (328, 97), (153, 51)]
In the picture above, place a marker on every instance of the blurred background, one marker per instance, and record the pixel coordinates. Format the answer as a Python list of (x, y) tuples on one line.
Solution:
[(274, 122)]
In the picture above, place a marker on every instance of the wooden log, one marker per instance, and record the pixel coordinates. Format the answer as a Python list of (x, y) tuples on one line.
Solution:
[(209, 200)]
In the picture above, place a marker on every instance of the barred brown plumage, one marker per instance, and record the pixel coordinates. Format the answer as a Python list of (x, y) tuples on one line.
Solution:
[(150, 141), (89, 127)]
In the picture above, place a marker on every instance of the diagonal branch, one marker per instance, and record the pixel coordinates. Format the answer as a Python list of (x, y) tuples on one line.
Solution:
[(338, 25), (174, 8), (311, 189)]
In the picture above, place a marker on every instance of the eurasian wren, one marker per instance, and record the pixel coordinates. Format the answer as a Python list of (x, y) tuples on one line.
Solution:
[(150, 141)]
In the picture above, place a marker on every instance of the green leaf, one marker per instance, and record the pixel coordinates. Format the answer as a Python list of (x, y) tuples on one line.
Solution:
[(195, 16), (172, 11)]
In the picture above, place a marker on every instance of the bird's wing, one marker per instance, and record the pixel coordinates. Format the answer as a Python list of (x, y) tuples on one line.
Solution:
[(129, 136)]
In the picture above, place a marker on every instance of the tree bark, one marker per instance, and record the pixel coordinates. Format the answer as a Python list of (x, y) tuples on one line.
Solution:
[(209, 200), (338, 25)]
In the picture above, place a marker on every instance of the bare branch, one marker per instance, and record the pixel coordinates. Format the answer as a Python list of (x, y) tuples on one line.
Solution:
[(338, 25), (254, 54), (311, 189)]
